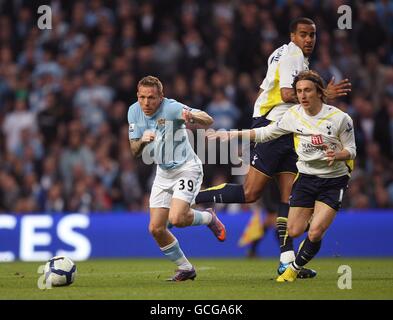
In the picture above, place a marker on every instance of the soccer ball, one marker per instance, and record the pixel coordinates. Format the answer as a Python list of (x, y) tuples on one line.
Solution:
[(60, 271)]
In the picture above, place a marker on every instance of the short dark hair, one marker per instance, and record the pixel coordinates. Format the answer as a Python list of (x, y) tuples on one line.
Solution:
[(151, 81), (297, 21), (315, 78)]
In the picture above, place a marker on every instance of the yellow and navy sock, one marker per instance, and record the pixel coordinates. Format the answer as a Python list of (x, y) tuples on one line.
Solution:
[(286, 242), (223, 193), (307, 252)]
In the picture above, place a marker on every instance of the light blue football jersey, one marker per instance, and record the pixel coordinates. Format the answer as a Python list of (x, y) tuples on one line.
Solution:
[(171, 147)]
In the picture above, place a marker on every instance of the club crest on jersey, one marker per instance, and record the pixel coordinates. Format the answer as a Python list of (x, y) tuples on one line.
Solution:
[(329, 127), (316, 139), (295, 73), (161, 122)]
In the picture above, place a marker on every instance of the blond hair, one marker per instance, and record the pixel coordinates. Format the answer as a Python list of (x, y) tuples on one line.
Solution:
[(151, 81)]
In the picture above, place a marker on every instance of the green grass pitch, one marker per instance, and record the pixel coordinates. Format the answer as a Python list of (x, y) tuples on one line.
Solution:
[(217, 279)]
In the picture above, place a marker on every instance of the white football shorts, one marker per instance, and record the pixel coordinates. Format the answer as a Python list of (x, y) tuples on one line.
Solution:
[(181, 183)]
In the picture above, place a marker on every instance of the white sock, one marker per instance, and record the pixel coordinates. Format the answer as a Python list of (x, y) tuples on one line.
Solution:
[(201, 217), (295, 267), (183, 263), (176, 255), (287, 256)]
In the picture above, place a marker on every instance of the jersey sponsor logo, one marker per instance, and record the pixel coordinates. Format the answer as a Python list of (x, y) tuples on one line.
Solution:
[(349, 128), (316, 139), (309, 148)]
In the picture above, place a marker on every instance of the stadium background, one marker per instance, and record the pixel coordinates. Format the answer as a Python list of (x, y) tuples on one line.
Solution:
[(65, 92)]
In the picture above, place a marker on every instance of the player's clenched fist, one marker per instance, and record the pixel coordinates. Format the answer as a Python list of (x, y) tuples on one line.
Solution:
[(330, 156), (148, 136), (187, 116)]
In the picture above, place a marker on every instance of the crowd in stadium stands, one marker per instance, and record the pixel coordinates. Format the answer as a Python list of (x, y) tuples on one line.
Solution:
[(65, 92)]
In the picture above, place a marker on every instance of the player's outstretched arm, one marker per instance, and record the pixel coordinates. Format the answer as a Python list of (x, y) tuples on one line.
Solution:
[(263, 134), (225, 135), (198, 119)]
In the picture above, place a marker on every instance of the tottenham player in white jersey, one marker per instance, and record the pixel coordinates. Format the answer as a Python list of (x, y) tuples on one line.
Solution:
[(325, 145), (277, 158), (159, 125)]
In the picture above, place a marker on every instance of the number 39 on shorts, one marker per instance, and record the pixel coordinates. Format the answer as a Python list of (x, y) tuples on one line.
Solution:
[(186, 184)]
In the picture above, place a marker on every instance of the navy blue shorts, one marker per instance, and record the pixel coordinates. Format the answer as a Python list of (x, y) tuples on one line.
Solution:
[(274, 156), (307, 189)]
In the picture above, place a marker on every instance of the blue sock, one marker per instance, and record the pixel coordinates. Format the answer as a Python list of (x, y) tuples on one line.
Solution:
[(174, 253), (201, 217)]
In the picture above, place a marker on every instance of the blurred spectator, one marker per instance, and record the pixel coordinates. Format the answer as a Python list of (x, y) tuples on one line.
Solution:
[(147, 24), (81, 199), (166, 54), (92, 100), (384, 10), (371, 36), (128, 181), (372, 78), (10, 191), (224, 112), (383, 129), (327, 69), (48, 119), (247, 37), (102, 200), (17, 120), (54, 202), (49, 177), (75, 155)]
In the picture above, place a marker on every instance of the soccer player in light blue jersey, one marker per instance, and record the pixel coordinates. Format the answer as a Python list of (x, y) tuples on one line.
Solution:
[(157, 132)]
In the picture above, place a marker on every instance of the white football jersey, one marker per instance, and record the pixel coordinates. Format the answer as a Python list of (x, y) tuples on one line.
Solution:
[(330, 128), (283, 65)]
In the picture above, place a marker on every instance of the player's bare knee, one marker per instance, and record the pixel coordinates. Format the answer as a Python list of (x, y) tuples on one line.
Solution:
[(156, 230), (250, 195), (315, 234), (177, 220), (294, 231)]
